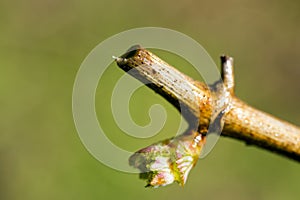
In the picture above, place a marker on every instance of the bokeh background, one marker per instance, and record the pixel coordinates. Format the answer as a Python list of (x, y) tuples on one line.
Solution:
[(42, 44)]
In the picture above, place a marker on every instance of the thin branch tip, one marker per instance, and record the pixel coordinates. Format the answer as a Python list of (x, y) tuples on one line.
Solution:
[(227, 73)]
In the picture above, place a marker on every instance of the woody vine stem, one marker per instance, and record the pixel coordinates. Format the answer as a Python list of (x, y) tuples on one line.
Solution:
[(202, 105)]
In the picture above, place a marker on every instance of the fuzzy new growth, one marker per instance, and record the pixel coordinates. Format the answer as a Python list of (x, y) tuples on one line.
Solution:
[(170, 160)]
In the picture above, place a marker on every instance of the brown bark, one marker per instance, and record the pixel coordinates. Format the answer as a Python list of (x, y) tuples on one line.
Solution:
[(204, 103)]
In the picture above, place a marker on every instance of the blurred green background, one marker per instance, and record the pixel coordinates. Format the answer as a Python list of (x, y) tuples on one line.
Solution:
[(42, 44)]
